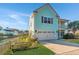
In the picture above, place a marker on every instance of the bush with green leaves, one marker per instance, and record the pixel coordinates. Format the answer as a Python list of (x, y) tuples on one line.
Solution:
[(69, 36)]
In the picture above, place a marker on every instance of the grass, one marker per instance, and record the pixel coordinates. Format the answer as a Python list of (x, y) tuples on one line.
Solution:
[(41, 50), (72, 40)]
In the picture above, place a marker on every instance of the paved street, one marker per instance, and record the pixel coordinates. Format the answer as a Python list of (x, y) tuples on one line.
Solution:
[(62, 48)]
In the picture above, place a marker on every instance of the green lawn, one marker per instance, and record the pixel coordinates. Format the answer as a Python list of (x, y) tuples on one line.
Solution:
[(41, 50), (72, 40)]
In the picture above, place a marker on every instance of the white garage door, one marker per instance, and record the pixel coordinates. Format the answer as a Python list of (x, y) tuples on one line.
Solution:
[(47, 36)]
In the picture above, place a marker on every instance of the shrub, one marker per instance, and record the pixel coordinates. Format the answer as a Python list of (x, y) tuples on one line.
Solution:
[(24, 42), (20, 46), (34, 44), (69, 36)]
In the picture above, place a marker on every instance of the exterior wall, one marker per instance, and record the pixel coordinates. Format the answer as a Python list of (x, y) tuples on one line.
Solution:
[(48, 13), (31, 25), (39, 26)]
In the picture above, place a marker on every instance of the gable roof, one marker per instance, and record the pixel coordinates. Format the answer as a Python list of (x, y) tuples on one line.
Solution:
[(47, 4)]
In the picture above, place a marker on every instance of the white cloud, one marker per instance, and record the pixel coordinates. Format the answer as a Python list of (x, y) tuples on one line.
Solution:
[(19, 20)]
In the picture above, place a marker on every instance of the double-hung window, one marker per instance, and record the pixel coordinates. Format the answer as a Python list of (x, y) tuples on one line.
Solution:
[(46, 20)]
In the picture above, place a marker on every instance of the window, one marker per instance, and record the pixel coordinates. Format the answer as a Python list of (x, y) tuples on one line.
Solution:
[(49, 20), (46, 20), (42, 19)]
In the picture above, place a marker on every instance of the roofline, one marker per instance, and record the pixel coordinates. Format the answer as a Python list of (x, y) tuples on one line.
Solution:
[(51, 8), (54, 10), (64, 20), (40, 7)]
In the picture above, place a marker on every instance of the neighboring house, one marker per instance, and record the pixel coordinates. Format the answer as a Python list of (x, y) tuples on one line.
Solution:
[(71, 31), (2, 31), (46, 24), (9, 31)]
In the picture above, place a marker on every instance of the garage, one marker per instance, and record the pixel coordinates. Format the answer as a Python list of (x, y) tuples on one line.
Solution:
[(46, 36)]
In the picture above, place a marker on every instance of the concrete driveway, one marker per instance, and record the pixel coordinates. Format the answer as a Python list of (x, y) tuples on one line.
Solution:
[(61, 48)]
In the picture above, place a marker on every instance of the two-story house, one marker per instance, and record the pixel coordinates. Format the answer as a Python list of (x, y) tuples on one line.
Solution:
[(45, 23)]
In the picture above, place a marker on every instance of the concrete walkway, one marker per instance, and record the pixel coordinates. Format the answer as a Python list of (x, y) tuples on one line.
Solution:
[(61, 48)]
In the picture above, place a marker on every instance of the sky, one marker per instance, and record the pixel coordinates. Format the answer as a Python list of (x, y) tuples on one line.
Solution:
[(16, 15)]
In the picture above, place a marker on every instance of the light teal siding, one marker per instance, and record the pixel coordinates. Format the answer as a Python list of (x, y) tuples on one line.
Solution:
[(45, 11)]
